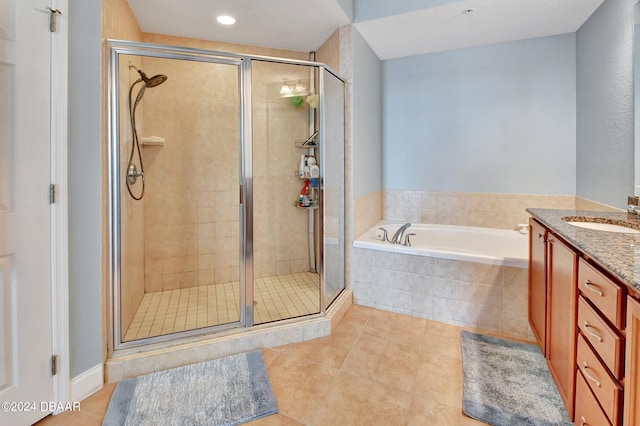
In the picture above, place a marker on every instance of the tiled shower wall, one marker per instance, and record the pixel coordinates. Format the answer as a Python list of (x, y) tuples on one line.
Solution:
[(191, 201), (281, 229), (191, 210), (131, 211)]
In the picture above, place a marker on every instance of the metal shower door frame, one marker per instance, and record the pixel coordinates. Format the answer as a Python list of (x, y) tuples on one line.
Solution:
[(246, 273)]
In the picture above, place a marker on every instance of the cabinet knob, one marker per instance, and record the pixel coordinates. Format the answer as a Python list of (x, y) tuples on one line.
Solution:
[(583, 421)]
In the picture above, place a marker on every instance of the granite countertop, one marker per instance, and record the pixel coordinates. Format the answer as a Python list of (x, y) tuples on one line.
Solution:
[(618, 253)]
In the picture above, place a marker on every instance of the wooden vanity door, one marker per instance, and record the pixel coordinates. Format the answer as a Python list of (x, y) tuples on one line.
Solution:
[(561, 318), (538, 283), (631, 413)]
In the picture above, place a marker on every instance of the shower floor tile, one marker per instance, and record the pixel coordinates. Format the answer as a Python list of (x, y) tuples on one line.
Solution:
[(277, 297)]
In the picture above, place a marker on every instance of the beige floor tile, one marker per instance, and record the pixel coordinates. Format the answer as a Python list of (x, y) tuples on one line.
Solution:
[(428, 412), (269, 355), (443, 339), (330, 351), (357, 401), (353, 321), (396, 327), (70, 419), (97, 403), (439, 378), (387, 377), (299, 386), (384, 361)]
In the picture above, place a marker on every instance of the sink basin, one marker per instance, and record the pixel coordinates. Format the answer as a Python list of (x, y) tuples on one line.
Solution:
[(602, 224)]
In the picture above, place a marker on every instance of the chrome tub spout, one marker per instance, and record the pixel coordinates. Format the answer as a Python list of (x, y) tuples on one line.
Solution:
[(397, 237)]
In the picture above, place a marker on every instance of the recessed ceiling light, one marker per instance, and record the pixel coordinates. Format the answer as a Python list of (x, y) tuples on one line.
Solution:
[(226, 19), (469, 11)]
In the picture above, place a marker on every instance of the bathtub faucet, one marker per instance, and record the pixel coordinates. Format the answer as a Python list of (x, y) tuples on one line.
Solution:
[(385, 236), (397, 237)]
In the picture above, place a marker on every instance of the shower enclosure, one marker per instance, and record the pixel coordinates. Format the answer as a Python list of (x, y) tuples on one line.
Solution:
[(226, 176)]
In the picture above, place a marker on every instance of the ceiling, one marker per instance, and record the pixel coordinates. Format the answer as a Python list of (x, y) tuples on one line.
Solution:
[(303, 25)]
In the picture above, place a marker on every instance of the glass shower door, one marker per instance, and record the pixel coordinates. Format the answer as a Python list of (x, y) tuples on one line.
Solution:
[(180, 235), (285, 197), (333, 141)]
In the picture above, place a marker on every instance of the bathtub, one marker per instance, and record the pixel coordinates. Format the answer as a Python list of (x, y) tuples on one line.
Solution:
[(466, 276), (481, 245)]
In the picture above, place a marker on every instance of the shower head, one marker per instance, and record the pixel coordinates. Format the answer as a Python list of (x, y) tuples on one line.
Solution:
[(154, 81)]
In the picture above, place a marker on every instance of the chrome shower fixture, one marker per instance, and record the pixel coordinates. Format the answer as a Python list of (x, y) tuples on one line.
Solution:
[(154, 81), (132, 171)]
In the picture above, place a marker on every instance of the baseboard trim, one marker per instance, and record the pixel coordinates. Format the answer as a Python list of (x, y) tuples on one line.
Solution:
[(87, 383)]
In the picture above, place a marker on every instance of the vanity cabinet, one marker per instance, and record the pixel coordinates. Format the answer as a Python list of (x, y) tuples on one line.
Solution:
[(592, 331), (552, 306)]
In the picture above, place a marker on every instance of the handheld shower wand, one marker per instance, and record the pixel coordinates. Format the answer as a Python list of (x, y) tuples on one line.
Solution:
[(132, 171)]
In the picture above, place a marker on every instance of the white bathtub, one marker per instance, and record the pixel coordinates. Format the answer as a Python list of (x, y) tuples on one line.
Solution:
[(481, 245)]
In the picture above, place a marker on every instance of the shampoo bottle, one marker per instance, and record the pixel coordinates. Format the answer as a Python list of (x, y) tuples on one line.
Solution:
[(314, 170), (303, 163)]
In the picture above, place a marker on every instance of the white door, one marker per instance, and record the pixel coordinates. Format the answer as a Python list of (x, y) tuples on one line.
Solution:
[(25, 234)]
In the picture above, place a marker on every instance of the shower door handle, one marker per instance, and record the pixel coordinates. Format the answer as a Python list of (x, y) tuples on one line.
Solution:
[(241, 193)]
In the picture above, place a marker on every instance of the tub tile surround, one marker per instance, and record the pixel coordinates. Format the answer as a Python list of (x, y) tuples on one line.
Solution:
[(482, 209), (489, 210), (368, 211), (269, 335), (487, 297)]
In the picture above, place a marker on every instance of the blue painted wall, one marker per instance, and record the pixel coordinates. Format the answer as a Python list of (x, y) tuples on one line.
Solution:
[(498, 118), (85, 174), (364, 10), (367, 118), (605, 150)]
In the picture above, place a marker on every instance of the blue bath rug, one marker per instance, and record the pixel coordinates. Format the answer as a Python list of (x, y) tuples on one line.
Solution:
[(507, 383), (225, 391)]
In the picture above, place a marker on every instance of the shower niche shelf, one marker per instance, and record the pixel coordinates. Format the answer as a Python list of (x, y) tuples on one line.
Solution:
[(311, 207), (151, 141)]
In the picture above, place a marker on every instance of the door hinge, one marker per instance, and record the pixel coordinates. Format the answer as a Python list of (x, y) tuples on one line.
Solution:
[(52, 194), (54, 364), (52, 21)]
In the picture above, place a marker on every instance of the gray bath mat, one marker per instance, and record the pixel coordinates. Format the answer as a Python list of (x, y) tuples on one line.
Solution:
[(225, 391), (508, 383)]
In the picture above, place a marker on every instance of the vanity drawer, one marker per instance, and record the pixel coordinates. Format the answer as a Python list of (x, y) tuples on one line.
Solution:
[(605, 388), (605, 340), (588, 412), (606, 295)]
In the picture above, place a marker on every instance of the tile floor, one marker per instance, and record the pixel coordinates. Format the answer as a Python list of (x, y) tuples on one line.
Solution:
[(277, 297), (376, 368)]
